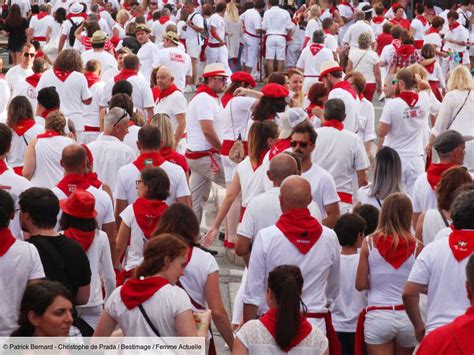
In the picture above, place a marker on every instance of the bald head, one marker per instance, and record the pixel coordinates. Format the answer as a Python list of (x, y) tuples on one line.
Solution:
[(74, 159), (282, 166), (295, 192), (164, 71)]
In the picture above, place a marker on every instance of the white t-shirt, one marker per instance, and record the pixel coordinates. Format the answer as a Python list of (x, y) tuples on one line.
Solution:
[(364, 61), (158, 29), (433, 223), (276, 21), (330, 42), (20, 264), (366, 118), (91, 112), (314, 24), (310, 63), (236, 117), (420, 29), (142, 95), (217, 21), (352, 34), (67, 26), (351, 104), (193, 38), (16, 75), (424, 197), (459, 33), (172, 105), (252, 21), (24, 88), (107, 60), (364, 197), (177, 61), (16, 156), (40, 26), (249, 179), (147, 54)]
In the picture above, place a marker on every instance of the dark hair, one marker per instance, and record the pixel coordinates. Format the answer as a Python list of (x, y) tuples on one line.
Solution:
[(40, 65), (130, 61), (452, 14), (122, 87), (470, 271), (157, 183), (396, 31), (462, 212), (451, 179), (274, 2), (259, 4), (267, 107), (318, 36), (259, 134), (149, 137), (428, 51), (179, 219), (286, 283), (83, 224), (7, 208), (348, 227), (357, 81), (437, 22), (220, 7), (123, 101), (5, 138), (406, 37), (48, 98), (93, 65), (156, 250), (317, 92), (37, 298), (19, 110), (60, 15), (334, 109), (370, 214), (14, 17), (408, 78), (419, 8), (277, 77), (42, 205), (91, 27), (327, 22), (306, 127), (387, 27)]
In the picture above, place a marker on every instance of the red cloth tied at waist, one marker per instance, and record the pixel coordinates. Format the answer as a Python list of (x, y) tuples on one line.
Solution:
[(202, 154), (39, 38), (359, 336), (251, 34), (215, 45), (91, 129), (334, 343), (345, 197), (227, 144)]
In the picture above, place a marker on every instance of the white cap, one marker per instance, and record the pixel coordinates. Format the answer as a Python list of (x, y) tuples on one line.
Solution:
[(290, 119)]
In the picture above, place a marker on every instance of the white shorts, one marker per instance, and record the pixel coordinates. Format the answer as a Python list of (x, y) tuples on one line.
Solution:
[(383, 326), (194, 51), (229, 168), (275, 47), (250, 53), (412, 167), (217, 55)]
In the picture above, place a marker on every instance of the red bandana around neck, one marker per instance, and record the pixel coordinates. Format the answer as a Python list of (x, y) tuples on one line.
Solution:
[(167, 92), (48, 134), (280, 146), (334, 124), (85, 239), (23, 126), (422, 19), (410, 97), (6, 240), (430, 67), (93, 179), (396, 257), (148, 214), (456, 25), (46, 112), (396, 43), (124, 74), (226, 98), (405, 50), (3, 167), (135, 291), (461, 242), (73, 182), (42, 14), (163, 19), (301, 229), (92, 78), (206, 89), (260, 159), (315, 48), (61, 75), (345, 85), (148, 159), (434, 172), (269, 320), (33, 79), (309, 109), (432, 30), (378, 19)]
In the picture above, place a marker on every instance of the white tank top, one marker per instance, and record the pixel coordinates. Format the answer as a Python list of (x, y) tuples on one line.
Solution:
[(432, 224), (386, 282)]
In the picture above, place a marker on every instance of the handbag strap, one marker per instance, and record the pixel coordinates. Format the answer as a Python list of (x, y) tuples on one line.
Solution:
[(142, 310), (445, 220), (231, 118), (457, 113), (360, 60)]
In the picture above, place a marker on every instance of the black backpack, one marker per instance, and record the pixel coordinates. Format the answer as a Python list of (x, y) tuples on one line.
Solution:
[(72, 36), (204, 34)]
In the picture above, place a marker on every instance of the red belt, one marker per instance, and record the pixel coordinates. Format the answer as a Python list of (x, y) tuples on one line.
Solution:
[(334, 343), (359, 336), (91, 129), (202, 154), (345, 197), (18, 170), (215, 45), (39, 38), (227, 144), (252, 35)]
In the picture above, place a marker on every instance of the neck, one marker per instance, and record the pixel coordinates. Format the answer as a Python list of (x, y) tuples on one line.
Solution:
[(46, 232), (155, 150), (109, 132), (306, 164), (3, 157), (73, 172), (405, 90), (23, 66), (351, 250), (446, 161), (98, 50)]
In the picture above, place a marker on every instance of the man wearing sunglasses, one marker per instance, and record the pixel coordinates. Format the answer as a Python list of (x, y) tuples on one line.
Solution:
[(19, 72)]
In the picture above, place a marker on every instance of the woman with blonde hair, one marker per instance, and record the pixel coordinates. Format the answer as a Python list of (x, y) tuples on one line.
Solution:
[(297, 93), (118, 30), (456, 110), (386, 259), (43, 155), (233, 26), (314, 23)]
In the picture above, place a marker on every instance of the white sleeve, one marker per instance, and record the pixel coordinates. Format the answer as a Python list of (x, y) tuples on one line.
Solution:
[(361, 160), (36, 270), (446, 112), (329, 192), (386, 114), (264, 22), (120, 192), (416, 195), (254, 288), (5, 94), (109, 209), (198, 21), (421, 271), (85, 92), (301, 60), (247, 228), (370, 133), (179, 301), (147, 97), (182, 188), (180, 105), (128, 216), (333, 285), (107, 272), (203, 113)]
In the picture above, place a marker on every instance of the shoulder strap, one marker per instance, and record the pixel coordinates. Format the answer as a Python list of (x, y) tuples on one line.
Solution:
[(445, 220), (378, 201), (360, 60), (142, 310), (451, 121)]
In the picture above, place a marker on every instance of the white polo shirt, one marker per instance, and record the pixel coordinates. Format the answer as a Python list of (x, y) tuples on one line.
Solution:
[(310, 63), (20, 264), (91, 112), (107, 60), (40, 26), (177, 61), (147, 54), (172, 105), (424, 197), (351, 104), (125, 188)]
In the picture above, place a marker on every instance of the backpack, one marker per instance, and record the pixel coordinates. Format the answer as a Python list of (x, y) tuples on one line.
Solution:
[(204, 34), (72, 32)]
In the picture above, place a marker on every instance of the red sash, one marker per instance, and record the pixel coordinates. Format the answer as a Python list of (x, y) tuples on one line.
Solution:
[(73, 182), (23, 126), (148, 159), (92, 78), (48, 134), (85, 239), (395, 257), (461, 242), (33, 79), (334, 343), (280, 146), (434, 172), (167, 92), (300, 228), (6, 240), (345, 197), (334, 124), (411, 98), (345, 85), (61, 75), (148, 214), (135, 291), (124, 74), (227, 144)]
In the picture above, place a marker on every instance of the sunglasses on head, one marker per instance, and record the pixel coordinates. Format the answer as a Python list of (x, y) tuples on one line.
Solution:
[(26, 55), (125, 114), (302, 144)]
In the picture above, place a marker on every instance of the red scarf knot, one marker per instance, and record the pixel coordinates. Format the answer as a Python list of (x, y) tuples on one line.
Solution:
[(300, 228), (334, 124), (163, 19), (6, 240), (434, 172), (33, 79), (92, 78), (405, 50), (422, 19), (203, 88), (73, 182), (167, 92), (23, 126), (93, 179), (124, 74), (148, 159), (148, 214), (410, 97), (454, 26), (378, 19), (394, 256), (61, 74), (430, 67), (84, 239), (461, 242), (345, 85), (42, 14), (136, 291), (432, 30)]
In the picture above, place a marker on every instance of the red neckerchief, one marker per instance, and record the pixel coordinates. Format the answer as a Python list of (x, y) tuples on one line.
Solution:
[(461, 242), (124, 74), (33, 79), (333, 9), (3, 167), (206, 89), (260, 159), (405, 50), (42, 14), (361, 96), (85, 239), (378, 19), (269, 320), (226, 98), (48, 134), (135, 291), (93, 179), (62, 75), (432, 30), (434, 172), (456, 25), (73, 182), (404, 23), (422, 19), (327, 32), (300, 228), (334, 124), (430, 67), (156, 93), (280, 146), (398, 256), (127, 7), (167, 92), (148, 214), (148, 159), (315, 48), (163, 19), (309, 109), (92, 78), (46, 112), (396, 43), (345, 85), (83, 15), (6, 240), (410, 97), (23, 126)]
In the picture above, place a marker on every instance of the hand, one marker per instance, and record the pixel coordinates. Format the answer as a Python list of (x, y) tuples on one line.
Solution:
[(420, 332), (379, 91), (428, 148), (240, 92), (318, 112), (209, 238), (203, 317)]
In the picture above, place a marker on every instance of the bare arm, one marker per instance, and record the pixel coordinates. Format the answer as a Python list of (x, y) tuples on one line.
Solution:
[(82, 296), (29, 164), (181, 118), (62, 40), (123, 237), (78, 32), (349, 66), (186, 327), (250, 312), (362, 277), (120, 205), (239, 348), (243, 246), (362, 178), (185, 199), (378, 77), (106, 325), (411, 299), (111, 230), (333, 213), (207, 127)]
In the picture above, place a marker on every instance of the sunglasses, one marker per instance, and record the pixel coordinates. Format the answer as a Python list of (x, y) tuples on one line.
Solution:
[(302, 144), (26, 55), (394, 81), (125, 114)]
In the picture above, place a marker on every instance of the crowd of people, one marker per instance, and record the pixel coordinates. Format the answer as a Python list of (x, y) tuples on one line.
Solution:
[(118, 119)]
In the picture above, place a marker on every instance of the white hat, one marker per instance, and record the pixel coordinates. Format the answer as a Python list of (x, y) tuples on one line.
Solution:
[(329, 66), (290, 119), (76, 8), (215, 69)]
